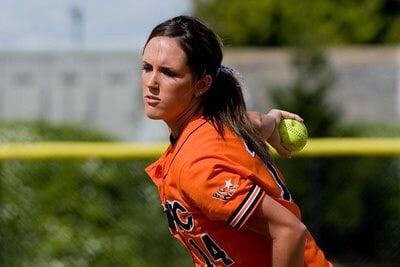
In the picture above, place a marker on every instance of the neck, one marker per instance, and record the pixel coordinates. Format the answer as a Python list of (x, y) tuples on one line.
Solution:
[(176, 126)]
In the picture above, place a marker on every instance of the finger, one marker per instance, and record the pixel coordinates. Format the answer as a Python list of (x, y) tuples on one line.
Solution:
[(290, 115), (283, 151), (275, 142)]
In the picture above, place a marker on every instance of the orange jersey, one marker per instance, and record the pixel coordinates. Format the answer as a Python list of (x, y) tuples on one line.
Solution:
[(209, 187)]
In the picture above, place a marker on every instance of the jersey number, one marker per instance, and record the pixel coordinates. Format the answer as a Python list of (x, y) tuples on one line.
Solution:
[(215, 251)]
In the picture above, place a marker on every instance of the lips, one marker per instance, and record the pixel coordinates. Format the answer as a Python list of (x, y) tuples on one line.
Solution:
[(151, 100)]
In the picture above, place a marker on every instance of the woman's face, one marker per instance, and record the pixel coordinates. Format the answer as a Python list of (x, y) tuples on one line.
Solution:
[(167, 81)]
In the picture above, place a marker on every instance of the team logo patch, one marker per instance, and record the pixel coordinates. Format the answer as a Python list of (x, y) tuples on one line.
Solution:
[(226, 192)]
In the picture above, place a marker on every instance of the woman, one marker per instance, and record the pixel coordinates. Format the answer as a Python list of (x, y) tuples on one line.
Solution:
[(224, 198)]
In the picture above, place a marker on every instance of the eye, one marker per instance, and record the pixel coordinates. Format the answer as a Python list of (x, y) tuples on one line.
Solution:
[(169, 72), (147, 67)]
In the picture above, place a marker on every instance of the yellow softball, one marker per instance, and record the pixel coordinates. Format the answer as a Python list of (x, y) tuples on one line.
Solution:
[(293, 134)]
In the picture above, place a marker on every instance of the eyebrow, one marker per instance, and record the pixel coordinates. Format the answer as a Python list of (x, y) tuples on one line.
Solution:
[(161, 67)]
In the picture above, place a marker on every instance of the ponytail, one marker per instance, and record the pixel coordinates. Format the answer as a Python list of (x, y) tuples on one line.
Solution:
[(223, 105)]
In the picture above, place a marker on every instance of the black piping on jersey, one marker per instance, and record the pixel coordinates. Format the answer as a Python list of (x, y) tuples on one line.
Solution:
[(285, 192), (173, 139), (238, 225)]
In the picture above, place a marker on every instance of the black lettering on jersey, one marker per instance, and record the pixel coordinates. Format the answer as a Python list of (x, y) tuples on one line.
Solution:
[(178, 216), (202, 254), (170, 217), (216, 252)]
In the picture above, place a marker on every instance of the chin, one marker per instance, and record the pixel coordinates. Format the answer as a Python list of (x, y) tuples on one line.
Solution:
[(151, 114), (153, 117)]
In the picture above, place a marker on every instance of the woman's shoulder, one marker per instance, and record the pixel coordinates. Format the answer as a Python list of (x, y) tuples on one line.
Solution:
[(206, 151), (206, 142), (208, 137)]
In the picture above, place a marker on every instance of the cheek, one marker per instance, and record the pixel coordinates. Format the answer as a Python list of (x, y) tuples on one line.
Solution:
[(180, 95), (144, 80), (176, 97)]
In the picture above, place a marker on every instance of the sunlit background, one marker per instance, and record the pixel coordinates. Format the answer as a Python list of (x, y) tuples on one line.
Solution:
[(70, 71)]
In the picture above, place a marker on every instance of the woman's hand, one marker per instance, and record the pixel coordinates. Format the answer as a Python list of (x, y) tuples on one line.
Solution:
[(268, 124)]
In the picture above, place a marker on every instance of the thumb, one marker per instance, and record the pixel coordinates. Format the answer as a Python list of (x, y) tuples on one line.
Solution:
[(275, 142)]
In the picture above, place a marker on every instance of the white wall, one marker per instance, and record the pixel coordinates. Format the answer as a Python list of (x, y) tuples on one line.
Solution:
[(103, 88)]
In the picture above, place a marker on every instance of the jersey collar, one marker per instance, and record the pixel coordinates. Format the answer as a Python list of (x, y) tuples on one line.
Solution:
[(153, 170)]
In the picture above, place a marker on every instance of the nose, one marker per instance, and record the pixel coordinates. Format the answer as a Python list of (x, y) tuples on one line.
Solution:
[(152, 82)]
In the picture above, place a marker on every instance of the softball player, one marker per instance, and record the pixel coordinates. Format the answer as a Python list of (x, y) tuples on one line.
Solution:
[(224, 198)]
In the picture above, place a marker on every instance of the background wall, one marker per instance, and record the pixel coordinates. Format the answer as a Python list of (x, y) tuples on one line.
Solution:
[(102, 88)]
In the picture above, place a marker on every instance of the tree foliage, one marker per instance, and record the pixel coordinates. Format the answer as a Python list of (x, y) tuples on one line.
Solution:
[(351, 205), (90, 212), (290, 22)]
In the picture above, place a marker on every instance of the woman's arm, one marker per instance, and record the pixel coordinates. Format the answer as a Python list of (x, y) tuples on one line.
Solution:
[(268, 124), (286, 231)]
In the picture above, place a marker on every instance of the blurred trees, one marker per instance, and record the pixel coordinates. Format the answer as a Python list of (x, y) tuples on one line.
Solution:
[(351, 204), (307, 95), (290, 22), (91, 212)]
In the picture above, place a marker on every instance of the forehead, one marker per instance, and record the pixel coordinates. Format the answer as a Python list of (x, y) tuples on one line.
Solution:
[(164, 50)]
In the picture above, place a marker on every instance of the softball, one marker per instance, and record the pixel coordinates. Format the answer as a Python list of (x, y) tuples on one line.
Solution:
[(293, 134)]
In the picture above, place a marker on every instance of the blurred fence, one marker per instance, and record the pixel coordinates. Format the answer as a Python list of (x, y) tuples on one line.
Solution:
[(91, 204), (317, 147)]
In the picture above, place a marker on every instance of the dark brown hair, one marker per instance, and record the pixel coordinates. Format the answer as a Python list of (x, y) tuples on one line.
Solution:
[(223, 103)]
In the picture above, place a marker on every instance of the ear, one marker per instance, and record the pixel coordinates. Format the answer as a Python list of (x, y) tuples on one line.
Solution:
[(203, 85)]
